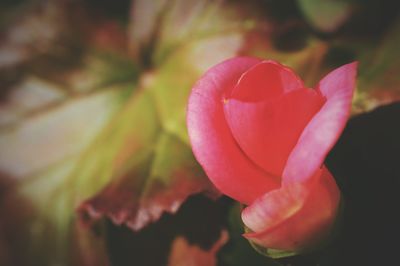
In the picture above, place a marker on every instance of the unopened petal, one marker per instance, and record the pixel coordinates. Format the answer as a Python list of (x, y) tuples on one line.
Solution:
[(226, 165), (267, 131), (265, 81)]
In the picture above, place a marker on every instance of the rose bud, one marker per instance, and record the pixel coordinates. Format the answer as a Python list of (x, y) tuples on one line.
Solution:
[(262, 137)]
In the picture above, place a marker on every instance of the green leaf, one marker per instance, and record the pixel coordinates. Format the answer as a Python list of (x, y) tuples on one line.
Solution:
[(148, 170), (378, 82), (273, 253), (143, 161), (122, 143), (326, 15), (379, 66)]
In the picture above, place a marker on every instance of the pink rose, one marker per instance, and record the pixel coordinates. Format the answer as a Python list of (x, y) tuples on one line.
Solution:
[(262, 137)]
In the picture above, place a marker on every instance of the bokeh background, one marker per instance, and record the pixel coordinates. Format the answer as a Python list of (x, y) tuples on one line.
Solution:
[(95, 163)]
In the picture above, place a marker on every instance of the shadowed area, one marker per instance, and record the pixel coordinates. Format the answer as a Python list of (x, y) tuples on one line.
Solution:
[(365, 163), (199, 220)]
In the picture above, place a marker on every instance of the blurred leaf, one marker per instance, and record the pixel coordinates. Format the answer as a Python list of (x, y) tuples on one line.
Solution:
[(379, 82), (143, 181), (29, 96), (145, 18), (158, 183), (49, 117), (326, 15), (99, 70), (56, 132), (39, 153), (161, 28), (378, 65), (194, 21)]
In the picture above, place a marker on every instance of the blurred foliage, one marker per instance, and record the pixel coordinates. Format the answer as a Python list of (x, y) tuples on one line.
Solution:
[(92, 116), (325, 15)]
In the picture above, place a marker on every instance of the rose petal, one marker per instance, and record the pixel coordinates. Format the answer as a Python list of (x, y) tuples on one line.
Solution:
[(325, 128), (267, 131), (265, 81), (290, 221), (212, 142)]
